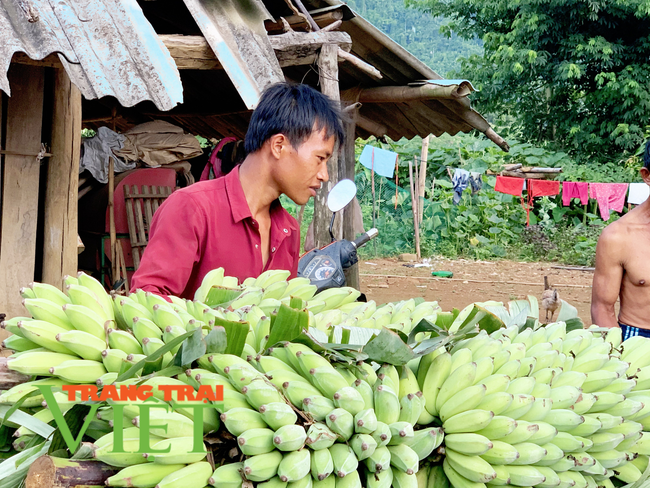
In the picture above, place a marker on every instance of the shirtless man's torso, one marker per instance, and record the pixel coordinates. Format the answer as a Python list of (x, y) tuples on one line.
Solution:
[(623, 270)]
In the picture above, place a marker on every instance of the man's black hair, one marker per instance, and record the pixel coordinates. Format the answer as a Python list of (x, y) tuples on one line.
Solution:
[(293, 110), (646, 156)]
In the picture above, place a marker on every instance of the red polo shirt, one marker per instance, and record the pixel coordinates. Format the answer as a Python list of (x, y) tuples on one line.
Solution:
[(206, 226)]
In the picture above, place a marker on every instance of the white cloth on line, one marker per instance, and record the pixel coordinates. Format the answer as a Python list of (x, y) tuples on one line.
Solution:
[(638, 193)]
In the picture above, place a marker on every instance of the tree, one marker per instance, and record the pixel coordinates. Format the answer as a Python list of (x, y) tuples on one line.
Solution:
[(417, 32), (571, 71)]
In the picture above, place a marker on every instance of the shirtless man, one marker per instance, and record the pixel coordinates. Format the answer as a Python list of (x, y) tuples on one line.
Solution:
[(623, 270)]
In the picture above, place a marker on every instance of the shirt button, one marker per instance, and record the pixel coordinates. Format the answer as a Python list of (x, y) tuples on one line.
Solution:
[(256, 246), (285, 231), (273, 249)]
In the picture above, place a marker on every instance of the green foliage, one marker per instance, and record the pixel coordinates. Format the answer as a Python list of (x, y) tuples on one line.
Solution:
[(418, 33), (488, 224), (574, 73)]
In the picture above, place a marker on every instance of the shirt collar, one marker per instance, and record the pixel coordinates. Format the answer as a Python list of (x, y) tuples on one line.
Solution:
[(239, 206)]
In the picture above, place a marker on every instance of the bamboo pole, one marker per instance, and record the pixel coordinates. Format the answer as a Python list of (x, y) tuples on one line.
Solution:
[(423, 176), (372, 182), (414, 207)]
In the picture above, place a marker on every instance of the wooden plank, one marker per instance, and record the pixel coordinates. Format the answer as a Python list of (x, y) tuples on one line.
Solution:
[(328, 69), (20, 185), (139, 219), (61, 193), (130, 221), (148, 211)]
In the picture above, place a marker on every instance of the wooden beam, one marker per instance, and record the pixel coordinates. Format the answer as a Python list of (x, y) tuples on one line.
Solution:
[(291, 48), (328, 70), (375, 128), (394, 94), (299, 23), (60, 215), (367, 68), (20, 185)]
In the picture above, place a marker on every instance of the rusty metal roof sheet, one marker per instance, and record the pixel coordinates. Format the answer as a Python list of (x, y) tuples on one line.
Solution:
[(106, 46), (235, 31)]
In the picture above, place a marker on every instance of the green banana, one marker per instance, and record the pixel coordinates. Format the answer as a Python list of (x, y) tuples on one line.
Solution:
[(142, 475), (295, 465), (256, 441), (289, 438), (278, 414), (196, 474), (262, 467)]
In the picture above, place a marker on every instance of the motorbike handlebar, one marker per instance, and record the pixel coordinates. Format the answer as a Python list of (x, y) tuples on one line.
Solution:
[(364, 238)]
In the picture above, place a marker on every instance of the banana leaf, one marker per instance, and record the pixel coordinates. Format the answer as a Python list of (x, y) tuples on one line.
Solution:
[(220, 296), (287, 325), (236, 333), (14, 470), (22, 418), (352, 335), (388, 347)]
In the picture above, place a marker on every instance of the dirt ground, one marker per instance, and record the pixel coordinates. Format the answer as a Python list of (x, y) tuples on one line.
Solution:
[(385, 280)]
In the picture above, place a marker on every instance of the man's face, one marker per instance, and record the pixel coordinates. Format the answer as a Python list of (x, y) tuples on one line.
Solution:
[(300, 171)]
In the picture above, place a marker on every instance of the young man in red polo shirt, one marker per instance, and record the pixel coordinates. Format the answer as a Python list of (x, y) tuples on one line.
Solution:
[(236, 221)]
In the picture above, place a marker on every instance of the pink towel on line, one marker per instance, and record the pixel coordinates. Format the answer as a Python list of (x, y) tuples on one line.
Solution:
[(610, 196), (573, 189)]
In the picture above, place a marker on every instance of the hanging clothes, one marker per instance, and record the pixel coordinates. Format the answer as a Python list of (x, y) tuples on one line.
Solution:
[(638, 194), (476, 182), (573, 189), (540, 188), (610, 196), (460, 181), (509, 185)]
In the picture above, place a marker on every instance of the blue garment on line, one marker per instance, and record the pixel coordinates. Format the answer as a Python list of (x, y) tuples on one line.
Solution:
[(382, 160), (460, 181)]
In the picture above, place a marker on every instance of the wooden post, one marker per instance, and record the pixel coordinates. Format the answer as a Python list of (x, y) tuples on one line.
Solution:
[(346, 170), (20, 185), (115, 265), (328, 69), (53, 472), (423, 176), (414, 207), (60, 215)]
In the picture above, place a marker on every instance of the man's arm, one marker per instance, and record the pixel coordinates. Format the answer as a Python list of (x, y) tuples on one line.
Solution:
[(607, 280), (173, 248)]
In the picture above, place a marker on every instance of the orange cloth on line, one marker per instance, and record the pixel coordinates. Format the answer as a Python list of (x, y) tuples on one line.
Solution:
[(540, 188)]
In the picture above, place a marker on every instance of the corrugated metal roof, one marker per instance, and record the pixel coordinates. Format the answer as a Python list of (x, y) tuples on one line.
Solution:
[(235, 31), (107, 47), (226, 114)]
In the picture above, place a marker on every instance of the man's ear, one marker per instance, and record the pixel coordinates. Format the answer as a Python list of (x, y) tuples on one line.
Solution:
[(645, 174), (277, 143)]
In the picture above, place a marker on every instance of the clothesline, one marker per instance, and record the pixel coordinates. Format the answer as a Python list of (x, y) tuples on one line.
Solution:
[(609, 196)]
